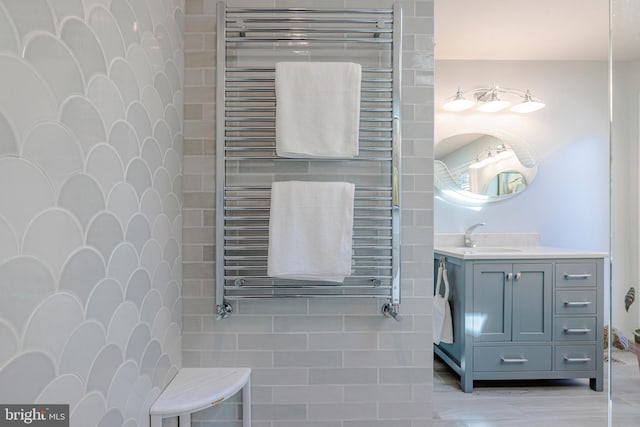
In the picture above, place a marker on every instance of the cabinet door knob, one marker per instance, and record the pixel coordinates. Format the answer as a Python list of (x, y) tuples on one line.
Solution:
[(518, 276), (509, 276)]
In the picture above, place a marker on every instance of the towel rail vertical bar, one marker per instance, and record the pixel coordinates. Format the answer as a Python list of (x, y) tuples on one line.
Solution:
[(220, 173), (397, 144)]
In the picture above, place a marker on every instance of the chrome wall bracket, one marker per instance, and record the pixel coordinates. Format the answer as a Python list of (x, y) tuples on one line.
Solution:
[(391, 310), (224, 310)]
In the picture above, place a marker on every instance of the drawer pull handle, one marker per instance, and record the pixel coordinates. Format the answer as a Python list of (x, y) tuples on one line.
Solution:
[(576, 303), (577, 330), (577, 359), (513, 360), (577, 276)]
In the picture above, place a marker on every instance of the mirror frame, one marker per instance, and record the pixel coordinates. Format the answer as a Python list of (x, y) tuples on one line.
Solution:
[(447, 188)]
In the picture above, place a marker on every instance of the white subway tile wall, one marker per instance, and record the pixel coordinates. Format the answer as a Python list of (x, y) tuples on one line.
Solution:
[(316, 362), (90, 205)]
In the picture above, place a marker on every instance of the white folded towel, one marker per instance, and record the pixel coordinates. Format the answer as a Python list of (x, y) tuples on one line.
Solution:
[(311, 230), (317, 109)]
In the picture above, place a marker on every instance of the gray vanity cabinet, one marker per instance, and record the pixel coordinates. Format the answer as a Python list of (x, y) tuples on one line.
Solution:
[(525, 319), (512, 302)]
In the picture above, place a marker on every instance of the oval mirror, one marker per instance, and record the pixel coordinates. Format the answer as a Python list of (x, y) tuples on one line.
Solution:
[(477, 168)]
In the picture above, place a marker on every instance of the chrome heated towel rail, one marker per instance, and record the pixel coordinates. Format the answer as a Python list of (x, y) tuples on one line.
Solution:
[(250, 41)]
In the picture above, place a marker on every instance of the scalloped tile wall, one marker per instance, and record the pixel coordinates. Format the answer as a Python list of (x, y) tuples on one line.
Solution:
[(91, 204)]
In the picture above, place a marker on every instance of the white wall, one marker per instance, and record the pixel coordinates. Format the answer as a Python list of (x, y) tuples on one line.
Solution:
[(568, 202)]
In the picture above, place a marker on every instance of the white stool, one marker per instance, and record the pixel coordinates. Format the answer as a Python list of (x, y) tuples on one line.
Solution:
[(195, 389)]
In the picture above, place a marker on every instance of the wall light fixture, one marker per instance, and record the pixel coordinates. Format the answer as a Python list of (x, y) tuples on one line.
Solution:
[(489, 100)]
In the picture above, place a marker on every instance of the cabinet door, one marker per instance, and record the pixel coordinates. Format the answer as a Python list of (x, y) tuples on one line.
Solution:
[(532, 302), (490, 319)]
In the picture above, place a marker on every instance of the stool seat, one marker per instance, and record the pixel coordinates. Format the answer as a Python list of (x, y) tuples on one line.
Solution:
[(195, 389)]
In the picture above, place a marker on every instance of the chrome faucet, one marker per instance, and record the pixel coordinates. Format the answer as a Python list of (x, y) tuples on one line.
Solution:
[(468, 242)]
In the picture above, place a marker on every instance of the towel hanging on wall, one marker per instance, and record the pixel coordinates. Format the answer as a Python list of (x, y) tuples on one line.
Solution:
[(317, 109), (442, 322), (310, 230)]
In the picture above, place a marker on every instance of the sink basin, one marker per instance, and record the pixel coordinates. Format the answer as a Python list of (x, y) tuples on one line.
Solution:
[(490, 249)]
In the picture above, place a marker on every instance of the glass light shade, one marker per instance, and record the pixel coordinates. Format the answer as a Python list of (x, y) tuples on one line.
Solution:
[(458, 105), (493, 106), (528, 106)]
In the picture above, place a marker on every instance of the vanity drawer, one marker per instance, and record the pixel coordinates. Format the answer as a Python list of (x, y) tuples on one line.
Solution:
[(576, 274), (512, 359), (576, 302), (575, 358), (574, 329)]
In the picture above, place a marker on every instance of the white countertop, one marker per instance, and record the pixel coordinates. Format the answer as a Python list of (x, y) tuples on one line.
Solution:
[(515, 252)]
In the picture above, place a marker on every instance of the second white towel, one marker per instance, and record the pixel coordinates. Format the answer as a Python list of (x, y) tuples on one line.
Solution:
[(311, 230), (317, 109)]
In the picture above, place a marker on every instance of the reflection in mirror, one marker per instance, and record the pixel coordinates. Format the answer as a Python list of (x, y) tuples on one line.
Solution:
[(477, 168)]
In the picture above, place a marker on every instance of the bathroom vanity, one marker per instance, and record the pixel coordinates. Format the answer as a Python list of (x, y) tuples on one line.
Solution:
[(524, 313)]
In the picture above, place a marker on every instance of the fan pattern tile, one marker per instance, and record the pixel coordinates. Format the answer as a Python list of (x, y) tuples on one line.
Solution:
[(90, 204)]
